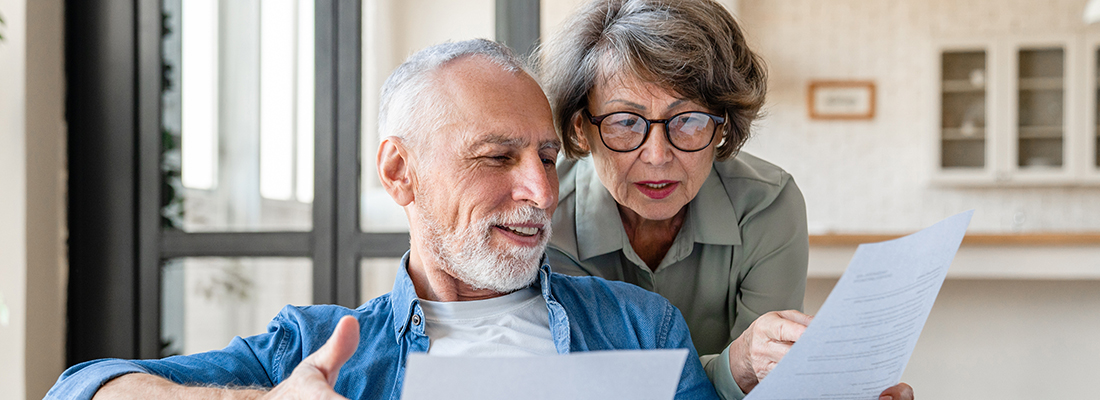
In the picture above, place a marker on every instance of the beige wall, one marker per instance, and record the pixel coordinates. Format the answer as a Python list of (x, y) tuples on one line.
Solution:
[(32, 263), (1003, 339)]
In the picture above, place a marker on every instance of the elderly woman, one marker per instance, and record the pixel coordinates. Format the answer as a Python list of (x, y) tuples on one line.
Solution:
[(653, 99)]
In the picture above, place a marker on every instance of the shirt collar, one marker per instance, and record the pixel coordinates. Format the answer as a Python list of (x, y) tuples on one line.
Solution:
[(599, 228), (403, 296), (710, 219), (713, 219)]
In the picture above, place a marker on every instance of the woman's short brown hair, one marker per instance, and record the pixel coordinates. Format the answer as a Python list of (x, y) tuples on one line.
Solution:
[(692, 48)]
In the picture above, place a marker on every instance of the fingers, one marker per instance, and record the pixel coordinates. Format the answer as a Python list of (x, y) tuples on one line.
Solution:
[(901, 391), (794, 315), (784, 326), (760, 347), (337, 350)]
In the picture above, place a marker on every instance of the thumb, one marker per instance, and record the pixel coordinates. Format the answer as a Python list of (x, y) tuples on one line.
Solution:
[(337, 350)]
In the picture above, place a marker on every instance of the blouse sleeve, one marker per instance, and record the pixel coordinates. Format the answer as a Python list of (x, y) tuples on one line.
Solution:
[(770, 274), (776, 251)]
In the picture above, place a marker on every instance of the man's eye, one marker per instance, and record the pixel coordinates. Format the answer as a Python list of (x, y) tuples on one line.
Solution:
[(550, 161)]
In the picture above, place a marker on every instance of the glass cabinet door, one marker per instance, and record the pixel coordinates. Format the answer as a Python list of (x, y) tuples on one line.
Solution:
[(963, 118), (1095, 129), (1041, 108)]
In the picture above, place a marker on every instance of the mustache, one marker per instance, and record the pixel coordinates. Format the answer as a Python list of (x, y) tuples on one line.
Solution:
[(521, 215)]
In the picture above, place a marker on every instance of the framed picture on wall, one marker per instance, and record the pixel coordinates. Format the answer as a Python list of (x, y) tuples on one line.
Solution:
[(843, 100)]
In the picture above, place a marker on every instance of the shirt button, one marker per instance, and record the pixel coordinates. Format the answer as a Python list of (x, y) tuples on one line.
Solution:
[(416, 320)]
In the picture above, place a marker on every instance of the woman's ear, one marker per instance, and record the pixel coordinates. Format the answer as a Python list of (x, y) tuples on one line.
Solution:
[(580, 134), (395, 171)]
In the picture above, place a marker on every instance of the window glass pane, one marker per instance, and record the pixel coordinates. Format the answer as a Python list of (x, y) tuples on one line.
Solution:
[(393, 29), (238, 115), (205, 302), (376, 276)]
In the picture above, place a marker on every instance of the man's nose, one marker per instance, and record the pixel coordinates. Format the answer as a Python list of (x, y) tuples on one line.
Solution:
[(536, 184), (656, 150)]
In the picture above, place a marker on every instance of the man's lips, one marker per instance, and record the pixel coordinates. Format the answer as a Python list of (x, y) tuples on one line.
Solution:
[(656, 189), (525, 230), (529, 234)]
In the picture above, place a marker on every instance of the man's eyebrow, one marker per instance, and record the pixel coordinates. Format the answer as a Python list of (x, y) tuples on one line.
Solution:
[(503, 140), (517, 142), (550, 144)]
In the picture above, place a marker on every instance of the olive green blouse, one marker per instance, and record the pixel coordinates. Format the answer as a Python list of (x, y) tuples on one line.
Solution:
[(741, 252)]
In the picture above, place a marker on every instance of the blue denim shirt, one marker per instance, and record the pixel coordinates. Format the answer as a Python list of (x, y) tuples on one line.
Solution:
[(586, 314)]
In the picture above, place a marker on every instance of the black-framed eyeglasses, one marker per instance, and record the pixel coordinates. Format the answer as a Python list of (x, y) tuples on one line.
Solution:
[(625, 131)]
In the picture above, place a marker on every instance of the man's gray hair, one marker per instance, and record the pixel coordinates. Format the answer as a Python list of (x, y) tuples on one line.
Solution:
[(410, 103)]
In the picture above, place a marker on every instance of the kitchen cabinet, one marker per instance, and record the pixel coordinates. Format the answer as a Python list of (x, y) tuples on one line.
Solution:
[(1018, 112)]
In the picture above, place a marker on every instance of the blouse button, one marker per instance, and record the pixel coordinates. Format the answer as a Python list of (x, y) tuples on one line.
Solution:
[(416, 320)]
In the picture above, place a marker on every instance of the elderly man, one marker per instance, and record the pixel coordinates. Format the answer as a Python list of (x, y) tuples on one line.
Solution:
[(469, 153)]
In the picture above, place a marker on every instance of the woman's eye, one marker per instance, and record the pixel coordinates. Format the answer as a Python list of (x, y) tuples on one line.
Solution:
[(626, 122)]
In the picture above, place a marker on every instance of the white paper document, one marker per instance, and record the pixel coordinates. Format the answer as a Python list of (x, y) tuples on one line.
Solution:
[(860, 341), (628, 374)]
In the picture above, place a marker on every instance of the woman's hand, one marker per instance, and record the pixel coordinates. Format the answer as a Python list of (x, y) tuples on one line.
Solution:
[(763, 344), (759, 349)]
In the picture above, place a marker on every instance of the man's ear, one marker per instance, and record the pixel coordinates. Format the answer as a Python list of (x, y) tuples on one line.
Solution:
[(580, 134), (395, 171)]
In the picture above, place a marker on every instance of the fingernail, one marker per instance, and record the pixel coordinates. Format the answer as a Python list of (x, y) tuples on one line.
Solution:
[(886, 397)]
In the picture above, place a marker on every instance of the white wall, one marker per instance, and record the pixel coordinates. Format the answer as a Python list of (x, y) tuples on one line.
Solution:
[(872, 176), (32, 264), (13, 205)]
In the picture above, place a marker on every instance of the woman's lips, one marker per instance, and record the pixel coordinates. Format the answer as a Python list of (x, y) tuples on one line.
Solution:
[(656, 190)]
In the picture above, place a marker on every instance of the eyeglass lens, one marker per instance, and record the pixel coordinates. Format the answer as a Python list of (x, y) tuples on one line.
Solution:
[(626, 131)]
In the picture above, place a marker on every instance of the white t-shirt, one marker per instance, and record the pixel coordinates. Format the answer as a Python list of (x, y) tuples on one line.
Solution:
[(516, 324)]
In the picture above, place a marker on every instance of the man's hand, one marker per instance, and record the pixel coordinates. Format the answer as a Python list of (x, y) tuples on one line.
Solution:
[(315, 377), (763, 344)]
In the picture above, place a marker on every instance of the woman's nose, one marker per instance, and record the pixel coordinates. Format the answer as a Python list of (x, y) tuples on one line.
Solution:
[(656, 150)]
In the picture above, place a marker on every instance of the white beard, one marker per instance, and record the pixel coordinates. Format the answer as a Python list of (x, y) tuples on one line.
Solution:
[(470, 257)]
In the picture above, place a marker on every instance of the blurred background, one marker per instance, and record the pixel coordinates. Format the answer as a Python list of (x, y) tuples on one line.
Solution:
[(174, 172)]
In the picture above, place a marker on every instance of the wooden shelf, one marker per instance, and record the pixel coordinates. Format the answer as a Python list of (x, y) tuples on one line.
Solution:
[(961, 86), (1041, 132), (1023, 239), (1041, 83), (957, 134)]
